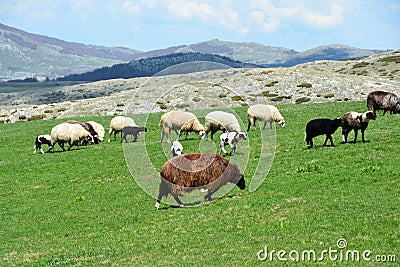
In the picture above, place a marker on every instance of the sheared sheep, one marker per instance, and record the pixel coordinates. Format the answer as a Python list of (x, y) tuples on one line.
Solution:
[(176, 148), (186, 172), (319, 127), (181, 121), (99, 130), (70, 133), (132, 130), (231, 139), (44, 139), (220, 120), (355, 121), (88, 127), (386, 101), (265, 113), (117, 124)]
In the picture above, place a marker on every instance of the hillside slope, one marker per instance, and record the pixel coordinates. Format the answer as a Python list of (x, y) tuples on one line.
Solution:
[(24, 54)]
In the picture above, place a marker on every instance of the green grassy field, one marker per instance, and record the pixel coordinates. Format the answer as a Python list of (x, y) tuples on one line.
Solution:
[(83, 208)]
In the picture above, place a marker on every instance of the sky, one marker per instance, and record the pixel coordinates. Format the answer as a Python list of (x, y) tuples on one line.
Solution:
[(155, 24)]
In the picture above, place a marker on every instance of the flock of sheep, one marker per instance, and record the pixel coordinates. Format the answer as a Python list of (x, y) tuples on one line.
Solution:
[(376, 100), (186, 171)]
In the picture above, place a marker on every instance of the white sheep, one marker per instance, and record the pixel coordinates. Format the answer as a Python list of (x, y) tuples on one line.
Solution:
[(265, 113), (220, 120), (181, 121), (176, 148), (99, 130), (117, 124), (231, 139), (70, 133)]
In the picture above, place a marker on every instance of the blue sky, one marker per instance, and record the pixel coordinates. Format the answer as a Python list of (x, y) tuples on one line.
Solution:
[(155, 24)]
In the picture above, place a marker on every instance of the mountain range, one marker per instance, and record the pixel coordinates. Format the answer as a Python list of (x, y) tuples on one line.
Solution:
[(26, 55)]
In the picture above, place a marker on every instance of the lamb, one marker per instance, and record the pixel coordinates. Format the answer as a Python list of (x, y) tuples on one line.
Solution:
[(70, 133), (181, 121), (231, 139), (319, 127), (176, 148), (186, 172), (386, 101), (355, 121), (220, 120), (99, 129), (88, 127), (117, 124), (265, 113), (44, 139), (132, 130)]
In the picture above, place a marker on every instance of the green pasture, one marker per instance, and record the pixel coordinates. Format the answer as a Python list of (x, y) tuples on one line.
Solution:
[(84, 208)]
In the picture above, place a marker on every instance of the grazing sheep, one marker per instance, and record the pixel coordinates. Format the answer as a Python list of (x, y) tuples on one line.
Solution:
[(231, 139), (186, 172), (117, 124), (220, 120), (88, 127), (355, 121), (99, 130), (44, 139), (319, 127), (386, 101), (176, 148), (132, 130), (265, 113), (181, 121), (70, 133)]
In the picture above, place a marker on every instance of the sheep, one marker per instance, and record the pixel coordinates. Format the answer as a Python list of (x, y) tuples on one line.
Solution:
[(356, 120), (231, 139), (265, 113), (99, 129), (186, 172), (181, 121), (116, 125), (44, 139), (88, 127), (132, 130), (386, 101), (176, 148), (220, 120), (70, 133), (317, 127)]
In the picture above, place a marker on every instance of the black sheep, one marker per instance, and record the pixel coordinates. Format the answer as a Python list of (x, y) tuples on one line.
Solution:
[(132, 130), (319, 127)]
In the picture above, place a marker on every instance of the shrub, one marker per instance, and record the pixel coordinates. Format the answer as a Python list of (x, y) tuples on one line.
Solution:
[(268, 94), (277, 98), (360, 65), (237, 98), (302, 100), (305, 85), (222, 94), (37, 117), (120, 105), (196, 99), (330, 95), (61, 109), (48, 111), (22, 117), (271, 84), (182, 105)]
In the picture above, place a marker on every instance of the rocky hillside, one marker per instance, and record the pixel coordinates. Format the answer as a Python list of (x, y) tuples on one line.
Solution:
[(321, 81), (24, 54)]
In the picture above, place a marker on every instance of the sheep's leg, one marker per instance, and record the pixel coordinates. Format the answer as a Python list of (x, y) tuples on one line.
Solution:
[(344, 135), (222, 149), (328, 137), (248, 125), (362, 135), (270, 125), (62, 146), (311, 144), (355, 135), (123, 137), (208, 197)]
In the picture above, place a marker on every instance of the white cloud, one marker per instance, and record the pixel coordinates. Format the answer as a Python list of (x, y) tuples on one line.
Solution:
[(183, 9)]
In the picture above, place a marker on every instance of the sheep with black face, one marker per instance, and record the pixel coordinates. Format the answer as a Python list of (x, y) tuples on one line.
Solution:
[(322, 126), (356, 121)]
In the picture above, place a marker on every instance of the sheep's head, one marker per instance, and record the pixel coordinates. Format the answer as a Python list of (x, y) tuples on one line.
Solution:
[(369, 115), (242, 135), (202, 134), (281, 123)]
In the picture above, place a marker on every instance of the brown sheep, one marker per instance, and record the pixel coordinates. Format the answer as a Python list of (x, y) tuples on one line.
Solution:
[(189, 171), (386, 101)]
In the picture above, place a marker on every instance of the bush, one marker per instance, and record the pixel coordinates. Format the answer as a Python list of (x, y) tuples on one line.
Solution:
[(37, 117), (305, 85), (237, 98), (360, 65), (61, 109), (302, 100), (48, 111), (330, 95)]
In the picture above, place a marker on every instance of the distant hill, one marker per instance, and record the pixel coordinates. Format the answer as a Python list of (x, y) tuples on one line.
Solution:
[(24, 54), (326, 52), (151, 66)]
